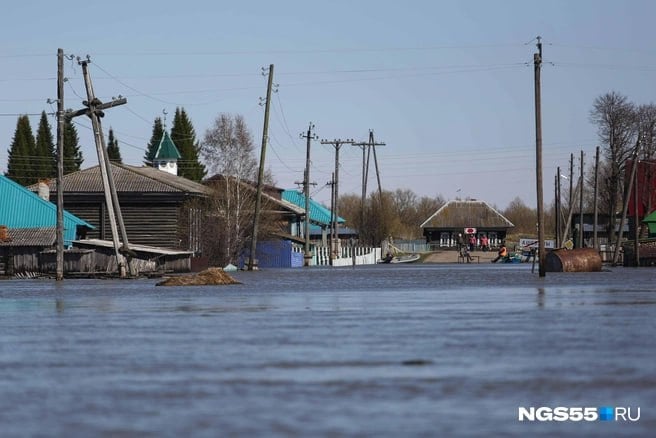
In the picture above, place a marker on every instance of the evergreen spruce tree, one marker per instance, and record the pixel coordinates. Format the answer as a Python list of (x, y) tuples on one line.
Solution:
[(45, 160), (184, 137), (21, 151), (113, 152), (153, 144), (72, 155)]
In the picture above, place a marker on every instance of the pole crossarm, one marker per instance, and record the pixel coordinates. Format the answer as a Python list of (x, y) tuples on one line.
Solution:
[(96, 107)]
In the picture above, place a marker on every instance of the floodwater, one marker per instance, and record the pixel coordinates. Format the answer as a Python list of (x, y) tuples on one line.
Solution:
[(387, 350)]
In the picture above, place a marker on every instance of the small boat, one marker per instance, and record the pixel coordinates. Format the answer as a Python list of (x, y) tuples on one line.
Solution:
[(405, 258)]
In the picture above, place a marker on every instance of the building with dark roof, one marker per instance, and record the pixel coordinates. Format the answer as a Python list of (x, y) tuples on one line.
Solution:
[(153, 205), (457, 218)]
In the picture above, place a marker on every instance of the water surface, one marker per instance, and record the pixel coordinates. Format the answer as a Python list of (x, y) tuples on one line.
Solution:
[(390, 350)]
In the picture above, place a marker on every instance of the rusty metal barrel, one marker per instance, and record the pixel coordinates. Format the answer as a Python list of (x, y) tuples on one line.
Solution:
[(574, 260)]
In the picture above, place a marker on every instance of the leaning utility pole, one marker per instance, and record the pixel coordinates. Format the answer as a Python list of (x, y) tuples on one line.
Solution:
[(337, 143), (94, 111), (368, 146), (537, 62), (260, 175), (60, 165), (627, 193), (309, 136)]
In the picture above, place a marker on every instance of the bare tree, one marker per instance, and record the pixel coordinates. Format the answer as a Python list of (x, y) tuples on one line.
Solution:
[(615, 118), (426, 206), (399, 214), (228, 151), (522, 216)]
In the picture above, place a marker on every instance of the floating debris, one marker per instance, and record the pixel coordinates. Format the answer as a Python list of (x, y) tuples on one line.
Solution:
[(208, 277)]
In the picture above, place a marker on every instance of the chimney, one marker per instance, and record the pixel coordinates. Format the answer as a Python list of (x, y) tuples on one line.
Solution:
[(43, 191)]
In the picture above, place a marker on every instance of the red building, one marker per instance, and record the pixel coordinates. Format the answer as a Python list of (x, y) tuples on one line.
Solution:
[(645, 188)]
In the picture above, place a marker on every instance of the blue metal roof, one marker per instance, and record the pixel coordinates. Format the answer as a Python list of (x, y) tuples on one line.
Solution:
[(20, 208), (318, 213)]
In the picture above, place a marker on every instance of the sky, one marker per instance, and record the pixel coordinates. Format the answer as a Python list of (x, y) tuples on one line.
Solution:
[(448, 86)]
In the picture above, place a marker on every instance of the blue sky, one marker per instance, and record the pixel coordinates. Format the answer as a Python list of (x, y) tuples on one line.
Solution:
[(448, 86)]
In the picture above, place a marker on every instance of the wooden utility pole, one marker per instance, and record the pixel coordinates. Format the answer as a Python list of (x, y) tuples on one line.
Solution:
[(374, 144), (537, 63), (557, 207), (571, 196), (60, 165), (332, 217), (367, 146), (595, 201), (309, 136), (94, 111), (260, 175), (580, 239), (627, 192), (337, 144), (636, 242)]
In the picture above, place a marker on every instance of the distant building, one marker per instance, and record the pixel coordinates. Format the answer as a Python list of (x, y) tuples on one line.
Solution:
[(603, 227), (320, 217), (457, 218)]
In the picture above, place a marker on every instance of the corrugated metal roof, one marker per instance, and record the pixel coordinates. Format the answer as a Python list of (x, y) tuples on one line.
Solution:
[(167, 149), (20, 208), (467, 213), (318, 213), (31, 237), (129, 179)]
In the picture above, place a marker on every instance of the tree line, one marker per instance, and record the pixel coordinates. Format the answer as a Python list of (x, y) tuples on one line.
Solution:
[(32, 158)]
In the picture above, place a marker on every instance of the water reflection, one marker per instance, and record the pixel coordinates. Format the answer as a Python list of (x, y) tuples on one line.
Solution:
[(541, 297)]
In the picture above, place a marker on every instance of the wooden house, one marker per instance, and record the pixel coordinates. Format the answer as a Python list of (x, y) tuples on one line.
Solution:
[(458, 218), (153, 205)]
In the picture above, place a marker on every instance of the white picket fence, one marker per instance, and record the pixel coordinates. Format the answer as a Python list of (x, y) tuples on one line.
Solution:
[(348, 256)]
